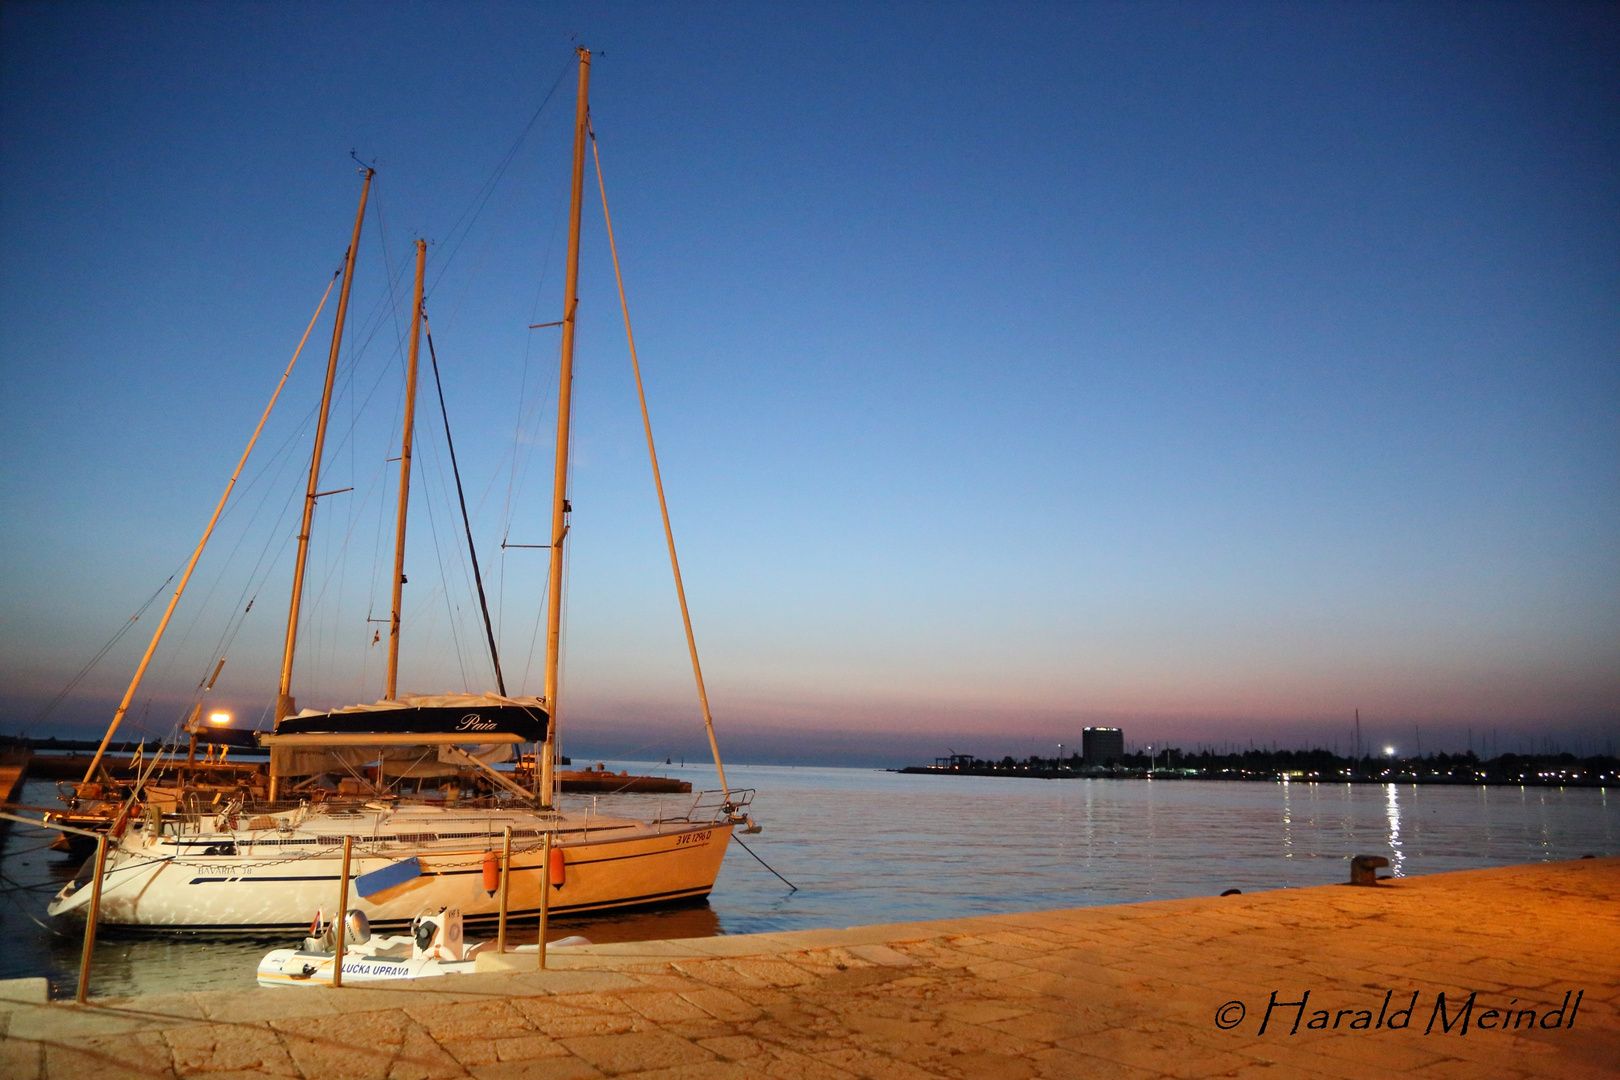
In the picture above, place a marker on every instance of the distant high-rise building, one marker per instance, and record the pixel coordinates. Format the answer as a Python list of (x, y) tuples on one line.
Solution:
[(1102, 745)]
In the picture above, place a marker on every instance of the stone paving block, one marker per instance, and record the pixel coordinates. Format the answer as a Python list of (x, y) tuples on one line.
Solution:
[(525, 1047), (821, 960), (484, 1051), (43, 1022), (636, 1052), (576, 982), (881, 954), (981, 1012), (353, 1046), (221, 1048), (167, 1006), (265, 1004), (792, 1065), (662, 1006), (563, 1068), (122, 1057), (1401, 1051), (694, 1030), (664, 978), (596, 1024), (539, 1009), (595, 1002), (36, 991), (899, 1029), (460, 1021), (708, 1070), (420, 1058), (998, 969), (774, 973), (1170, 1053), (872, 1066), (1574, 1070), (733, 1047), (973, 1039), (1059, 1064), (1457, 1069), (718, 973), (722, 1004), (1046, 1026), (984, 1065), (1301, 1058), (21, 1059)]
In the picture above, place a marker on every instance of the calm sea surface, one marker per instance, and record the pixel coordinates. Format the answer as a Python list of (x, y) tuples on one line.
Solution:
[(869, 847)]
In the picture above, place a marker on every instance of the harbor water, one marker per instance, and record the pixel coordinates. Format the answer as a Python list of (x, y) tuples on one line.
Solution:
[(871, 847)]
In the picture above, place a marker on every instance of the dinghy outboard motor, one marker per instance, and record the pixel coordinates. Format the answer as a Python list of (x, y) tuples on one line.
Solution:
[(438, 936), (322, 937), (356, 928)]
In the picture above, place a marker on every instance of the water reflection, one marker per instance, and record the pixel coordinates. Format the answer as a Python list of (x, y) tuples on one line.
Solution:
[(869, 847), (1397, 856), (1287, 822)]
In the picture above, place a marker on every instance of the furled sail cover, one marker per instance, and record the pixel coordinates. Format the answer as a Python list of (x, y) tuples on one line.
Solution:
[(479, 717)]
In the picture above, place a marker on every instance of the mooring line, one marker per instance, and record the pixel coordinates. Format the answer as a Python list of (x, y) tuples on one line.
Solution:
[(763, 863)]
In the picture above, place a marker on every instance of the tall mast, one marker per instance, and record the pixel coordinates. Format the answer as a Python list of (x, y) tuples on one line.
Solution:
[(285, 706), (559, 484), (405, 473)]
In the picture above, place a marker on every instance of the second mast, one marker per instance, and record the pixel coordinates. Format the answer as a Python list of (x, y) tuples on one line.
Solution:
[(405, 474)]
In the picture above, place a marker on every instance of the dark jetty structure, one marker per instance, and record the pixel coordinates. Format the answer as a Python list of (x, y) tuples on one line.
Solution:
[(1304, 766)]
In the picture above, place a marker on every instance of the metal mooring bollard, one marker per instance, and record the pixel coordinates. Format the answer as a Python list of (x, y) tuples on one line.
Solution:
[(1364, 869)]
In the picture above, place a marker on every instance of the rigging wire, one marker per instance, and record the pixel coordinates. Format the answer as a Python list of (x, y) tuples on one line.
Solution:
[(386, 306), (535, 636), (494, 179), (472, 550), (443, 586), (384, 311), (73, 683), (518, 459), (658, 479)]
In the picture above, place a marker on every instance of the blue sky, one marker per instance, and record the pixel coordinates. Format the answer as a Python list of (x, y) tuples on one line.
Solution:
[(1212, 370)]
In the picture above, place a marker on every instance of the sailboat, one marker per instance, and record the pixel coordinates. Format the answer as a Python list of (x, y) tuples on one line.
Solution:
[(255, 864)]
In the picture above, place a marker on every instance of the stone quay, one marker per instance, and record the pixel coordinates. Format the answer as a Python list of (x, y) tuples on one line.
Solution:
[(1511, 972)]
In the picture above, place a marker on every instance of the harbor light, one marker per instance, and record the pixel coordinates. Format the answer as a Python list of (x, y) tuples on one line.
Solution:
[(1389, 751), (219, 718)]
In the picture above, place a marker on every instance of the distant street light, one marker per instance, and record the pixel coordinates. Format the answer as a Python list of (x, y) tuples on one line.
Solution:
[(1389, 751)]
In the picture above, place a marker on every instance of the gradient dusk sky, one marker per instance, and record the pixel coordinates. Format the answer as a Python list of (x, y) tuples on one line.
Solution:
[(1216, 370)]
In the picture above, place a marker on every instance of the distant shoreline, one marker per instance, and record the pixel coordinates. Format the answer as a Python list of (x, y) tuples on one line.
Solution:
[(1310, 767)]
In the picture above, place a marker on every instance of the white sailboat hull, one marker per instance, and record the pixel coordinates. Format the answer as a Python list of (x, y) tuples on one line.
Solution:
[(170, 883)]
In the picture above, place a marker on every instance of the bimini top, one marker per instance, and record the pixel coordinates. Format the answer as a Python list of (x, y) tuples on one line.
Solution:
[(428, 718)]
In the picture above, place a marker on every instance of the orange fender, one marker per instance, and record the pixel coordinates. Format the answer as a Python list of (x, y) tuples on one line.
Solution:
[(492, 875), (559, 868)]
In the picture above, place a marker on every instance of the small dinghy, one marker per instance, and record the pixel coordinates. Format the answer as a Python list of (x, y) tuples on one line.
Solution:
[(433, 947)]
